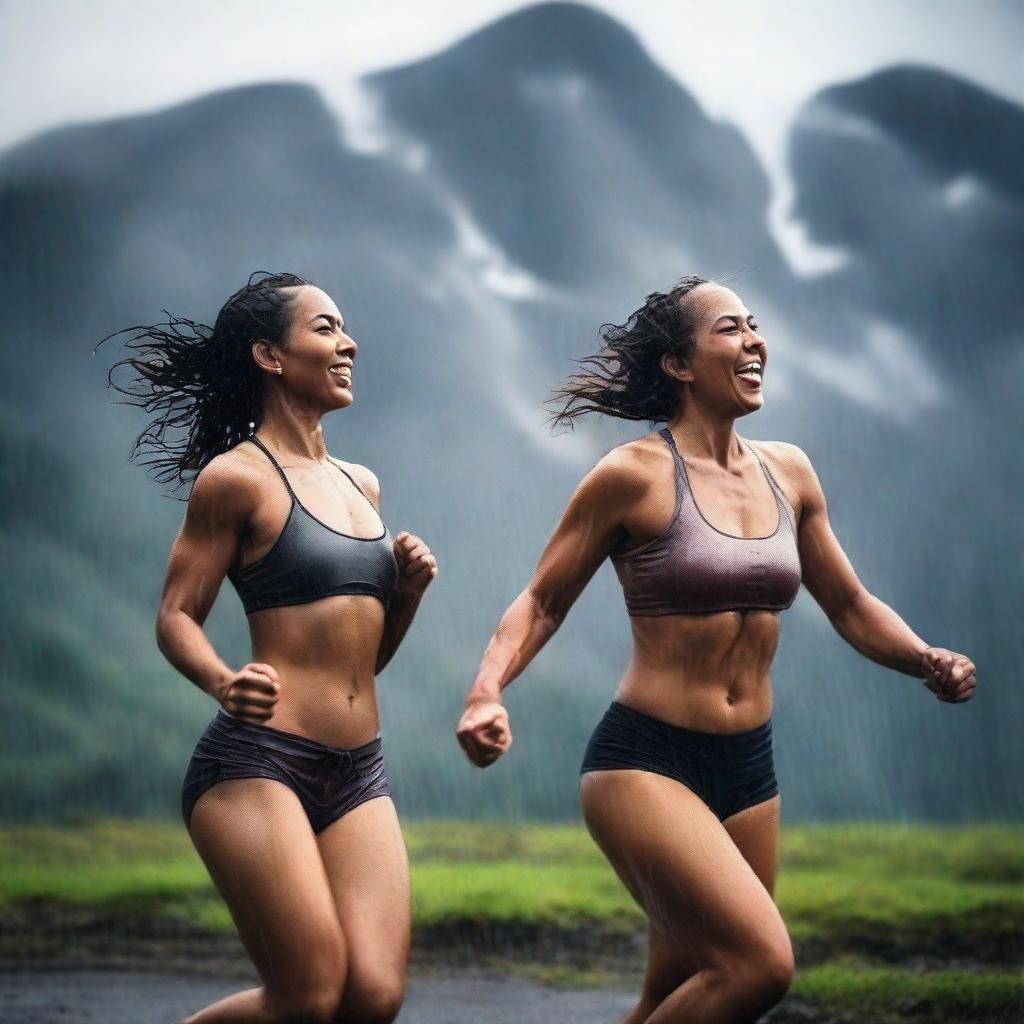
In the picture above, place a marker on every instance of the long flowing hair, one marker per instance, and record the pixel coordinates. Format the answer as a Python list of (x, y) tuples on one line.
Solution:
[(625, 378), (204, 380)]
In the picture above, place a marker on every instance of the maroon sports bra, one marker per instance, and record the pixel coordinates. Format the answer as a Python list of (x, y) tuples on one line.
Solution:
[(694, 567)]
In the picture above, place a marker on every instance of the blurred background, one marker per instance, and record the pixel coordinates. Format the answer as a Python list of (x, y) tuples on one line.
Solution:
[(479, 186)]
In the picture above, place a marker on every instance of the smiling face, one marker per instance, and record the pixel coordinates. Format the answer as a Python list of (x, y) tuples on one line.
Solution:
[(726, 342), (316, 363)]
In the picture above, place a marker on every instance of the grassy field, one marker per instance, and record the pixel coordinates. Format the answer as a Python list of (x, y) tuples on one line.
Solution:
[(904, 922)]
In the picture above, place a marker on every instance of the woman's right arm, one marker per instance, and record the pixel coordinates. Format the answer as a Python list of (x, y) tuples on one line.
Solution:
[(588, 531), (217, 515)]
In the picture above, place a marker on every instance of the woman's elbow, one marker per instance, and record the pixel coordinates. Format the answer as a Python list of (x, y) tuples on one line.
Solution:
[(851, 609), (547, 608)]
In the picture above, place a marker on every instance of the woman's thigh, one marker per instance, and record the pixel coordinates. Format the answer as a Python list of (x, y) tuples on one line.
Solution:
[(755, 832), (258, 846), (367, 867), (682, 866)]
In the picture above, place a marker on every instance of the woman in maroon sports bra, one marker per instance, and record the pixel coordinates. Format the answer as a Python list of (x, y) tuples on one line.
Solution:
[(677, 785)]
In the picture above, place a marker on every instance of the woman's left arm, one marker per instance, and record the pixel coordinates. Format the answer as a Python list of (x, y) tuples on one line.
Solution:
[(866, 623), (416, 568)]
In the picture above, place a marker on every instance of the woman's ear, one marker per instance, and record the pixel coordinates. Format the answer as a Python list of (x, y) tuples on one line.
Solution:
[(264, 355), (672, 365)]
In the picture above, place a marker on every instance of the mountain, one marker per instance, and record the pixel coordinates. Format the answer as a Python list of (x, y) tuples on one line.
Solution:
[(535, 179), (916, 174)]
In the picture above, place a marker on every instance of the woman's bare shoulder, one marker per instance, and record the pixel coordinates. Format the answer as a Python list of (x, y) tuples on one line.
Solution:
[(790, 465), (364, 477), (226, 488), (791, 458), (627, 470)]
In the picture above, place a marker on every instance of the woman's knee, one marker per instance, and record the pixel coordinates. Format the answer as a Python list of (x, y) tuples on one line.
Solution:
[(782, 964), (372, 997), (658, 986), (774, 974), (761, 978), (317, 1005)]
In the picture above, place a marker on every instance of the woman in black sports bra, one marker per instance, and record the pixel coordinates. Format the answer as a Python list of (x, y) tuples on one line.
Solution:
[(285, 797), (678, 787)]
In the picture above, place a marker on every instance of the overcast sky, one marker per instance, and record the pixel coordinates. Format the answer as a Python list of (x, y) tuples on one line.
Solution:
[(752, 63)]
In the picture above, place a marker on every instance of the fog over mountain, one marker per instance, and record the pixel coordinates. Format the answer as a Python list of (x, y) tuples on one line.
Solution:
[(531, 182)]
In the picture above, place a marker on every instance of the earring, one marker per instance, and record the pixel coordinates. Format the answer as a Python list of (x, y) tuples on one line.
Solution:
[(279, 370)]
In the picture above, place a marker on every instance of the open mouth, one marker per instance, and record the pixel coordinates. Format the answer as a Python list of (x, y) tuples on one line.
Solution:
[(343, 377), (750, 374)]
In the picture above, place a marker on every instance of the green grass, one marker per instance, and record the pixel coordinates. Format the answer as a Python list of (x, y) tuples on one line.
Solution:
[(974, 853), (877, 876), (962, 995), (838, 884), (514, 891)]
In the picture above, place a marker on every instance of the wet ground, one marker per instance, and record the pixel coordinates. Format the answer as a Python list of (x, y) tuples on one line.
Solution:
[(68, 965), (463, 997)]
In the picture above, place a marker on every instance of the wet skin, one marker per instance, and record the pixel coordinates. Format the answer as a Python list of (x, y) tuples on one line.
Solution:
[(325, 917), (719, 950), (313, 665), (707, 671)]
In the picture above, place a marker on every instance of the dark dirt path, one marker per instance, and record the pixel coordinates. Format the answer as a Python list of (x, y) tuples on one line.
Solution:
[(463, 997)]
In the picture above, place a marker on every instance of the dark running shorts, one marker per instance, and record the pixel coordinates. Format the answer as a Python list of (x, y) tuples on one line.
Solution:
[(329, 781), (728, 771)]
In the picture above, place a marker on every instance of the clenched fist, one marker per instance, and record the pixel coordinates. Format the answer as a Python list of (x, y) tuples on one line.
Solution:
[(250, 693), (483, 731), (950, 676), (416, 565)]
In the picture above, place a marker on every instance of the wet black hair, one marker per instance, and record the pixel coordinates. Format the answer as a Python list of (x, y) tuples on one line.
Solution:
[(204, 379), (625, 378)]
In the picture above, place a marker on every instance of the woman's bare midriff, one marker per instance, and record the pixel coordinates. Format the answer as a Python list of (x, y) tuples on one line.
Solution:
[(706, 672), (325, 653)]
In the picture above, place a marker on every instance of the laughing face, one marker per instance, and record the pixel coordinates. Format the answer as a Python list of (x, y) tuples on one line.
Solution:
[(726, 367), (317, 361)]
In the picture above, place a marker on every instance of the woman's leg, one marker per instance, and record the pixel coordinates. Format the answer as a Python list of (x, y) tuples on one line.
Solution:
[(708, 908), (368, 871), (668, 966), (258, 846), (755, 831)]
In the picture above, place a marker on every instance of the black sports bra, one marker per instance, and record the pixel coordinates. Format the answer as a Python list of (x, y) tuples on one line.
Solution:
[(309, 560)]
